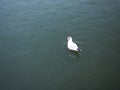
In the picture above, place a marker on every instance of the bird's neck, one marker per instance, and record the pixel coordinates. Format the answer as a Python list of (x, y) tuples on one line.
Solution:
[(70, 40)]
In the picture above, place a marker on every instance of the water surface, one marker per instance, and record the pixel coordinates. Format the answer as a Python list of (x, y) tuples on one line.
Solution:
[(33, 53)]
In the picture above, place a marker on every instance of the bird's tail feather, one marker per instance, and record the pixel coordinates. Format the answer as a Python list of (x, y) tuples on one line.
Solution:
[(79, 49)]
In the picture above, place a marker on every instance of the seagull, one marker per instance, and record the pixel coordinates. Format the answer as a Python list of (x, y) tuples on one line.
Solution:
[(71, 45)]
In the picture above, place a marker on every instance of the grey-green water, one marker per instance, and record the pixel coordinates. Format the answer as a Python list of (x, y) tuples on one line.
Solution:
[(33, 53)]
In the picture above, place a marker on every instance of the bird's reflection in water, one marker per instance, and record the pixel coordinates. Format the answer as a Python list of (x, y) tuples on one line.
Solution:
[(73, 54)]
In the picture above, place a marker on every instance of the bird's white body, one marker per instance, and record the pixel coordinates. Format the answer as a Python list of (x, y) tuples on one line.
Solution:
[(71, 45)]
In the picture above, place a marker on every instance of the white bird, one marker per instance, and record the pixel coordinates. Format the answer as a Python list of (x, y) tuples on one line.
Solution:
[(71, 45)]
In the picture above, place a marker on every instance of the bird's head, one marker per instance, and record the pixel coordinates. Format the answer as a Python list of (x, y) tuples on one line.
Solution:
[(69, 38)]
